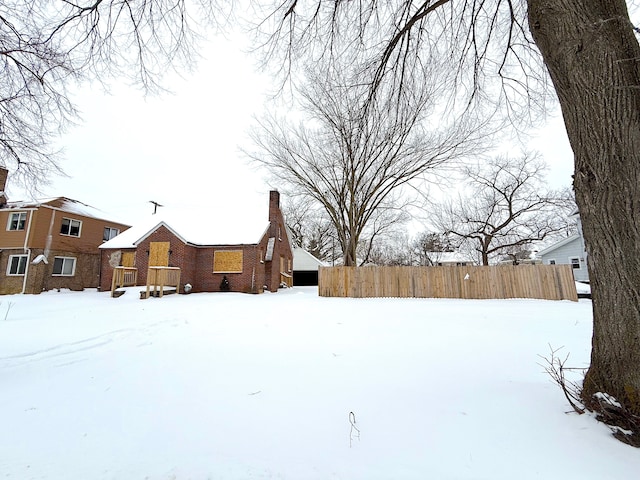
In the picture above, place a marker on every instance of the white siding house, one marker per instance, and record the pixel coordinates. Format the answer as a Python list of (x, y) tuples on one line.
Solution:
[(448, 259), (305, 267), (571, 251)]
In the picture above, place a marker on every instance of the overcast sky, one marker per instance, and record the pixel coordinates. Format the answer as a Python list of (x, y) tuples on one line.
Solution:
[(178, 149), (182, 150)]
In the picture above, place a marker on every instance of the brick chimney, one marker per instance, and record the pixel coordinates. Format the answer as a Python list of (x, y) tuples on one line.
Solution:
[(4, 173), (274, 212), (274, 199)]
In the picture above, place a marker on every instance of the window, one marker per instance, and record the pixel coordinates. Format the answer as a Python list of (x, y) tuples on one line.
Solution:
[(17, 265), (552, 262), (64, 266), (109, 233), (17, 221), (575, 262), (70, 227), (227, 261)]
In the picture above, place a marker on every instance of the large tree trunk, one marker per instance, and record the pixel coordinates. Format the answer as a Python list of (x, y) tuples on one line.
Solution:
[(484, 245), (593, 58), (349, 249)]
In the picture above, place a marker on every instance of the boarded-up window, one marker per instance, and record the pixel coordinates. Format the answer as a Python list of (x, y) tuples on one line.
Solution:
[(128, 259), (227, 261), (159, 254)]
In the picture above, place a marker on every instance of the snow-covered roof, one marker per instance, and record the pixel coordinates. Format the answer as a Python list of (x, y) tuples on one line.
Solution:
[(61, 203), (304, 261), (449, 257), (583, 287), (218, 225)]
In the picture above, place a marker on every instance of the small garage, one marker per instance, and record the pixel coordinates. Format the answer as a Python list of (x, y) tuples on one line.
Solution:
[(305, 268)]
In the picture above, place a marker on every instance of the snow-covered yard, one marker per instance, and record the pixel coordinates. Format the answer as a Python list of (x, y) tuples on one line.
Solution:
[(234, 386)]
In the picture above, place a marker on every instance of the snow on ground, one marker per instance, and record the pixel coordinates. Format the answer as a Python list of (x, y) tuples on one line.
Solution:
[(583, 288), (234, 386)]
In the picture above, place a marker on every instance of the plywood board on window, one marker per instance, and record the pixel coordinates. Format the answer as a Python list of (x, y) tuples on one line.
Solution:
[(159, 254), (227, 261), (128, 259)]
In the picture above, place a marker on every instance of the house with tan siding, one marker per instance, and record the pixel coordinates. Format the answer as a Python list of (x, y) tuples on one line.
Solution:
[(50, 244)]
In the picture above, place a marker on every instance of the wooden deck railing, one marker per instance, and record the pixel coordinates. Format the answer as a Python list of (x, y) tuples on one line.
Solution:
[(161, 277), (123, 277), (286, 279)]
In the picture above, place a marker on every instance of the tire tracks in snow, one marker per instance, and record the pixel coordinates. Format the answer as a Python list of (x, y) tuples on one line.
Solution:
[(67, 351)]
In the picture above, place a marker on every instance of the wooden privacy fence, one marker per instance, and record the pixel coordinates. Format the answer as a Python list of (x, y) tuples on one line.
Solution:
[(549, 282)]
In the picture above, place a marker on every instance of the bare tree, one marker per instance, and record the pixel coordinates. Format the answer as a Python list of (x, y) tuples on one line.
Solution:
[(393, 249), (590, 50), (598, 84), (428, 247), (384, 232), (398, 248), (507, 207), (310, 227), (46, 47), (353, 155)]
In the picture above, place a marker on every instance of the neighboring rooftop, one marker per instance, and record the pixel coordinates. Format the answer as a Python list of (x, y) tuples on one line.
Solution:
[(304, 261), (558, 244), (449, 257), (61, 203)]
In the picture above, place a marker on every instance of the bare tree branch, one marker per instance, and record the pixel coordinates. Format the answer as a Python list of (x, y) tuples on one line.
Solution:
[(47, 47), (507, 208), (351, 155)]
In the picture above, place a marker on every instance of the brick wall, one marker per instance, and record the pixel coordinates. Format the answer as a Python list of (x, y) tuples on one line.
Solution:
[(9, 284), (250, 280), (86, 275), (40, 276)]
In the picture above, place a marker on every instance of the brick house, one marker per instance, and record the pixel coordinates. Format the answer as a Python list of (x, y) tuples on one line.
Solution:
[(50, 244), (252, 251)]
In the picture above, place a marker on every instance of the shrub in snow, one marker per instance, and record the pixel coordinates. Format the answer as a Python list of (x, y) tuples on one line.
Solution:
[(224, 284)]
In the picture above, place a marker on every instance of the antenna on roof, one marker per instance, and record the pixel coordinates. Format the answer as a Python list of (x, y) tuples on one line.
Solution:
[(155, 206)]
